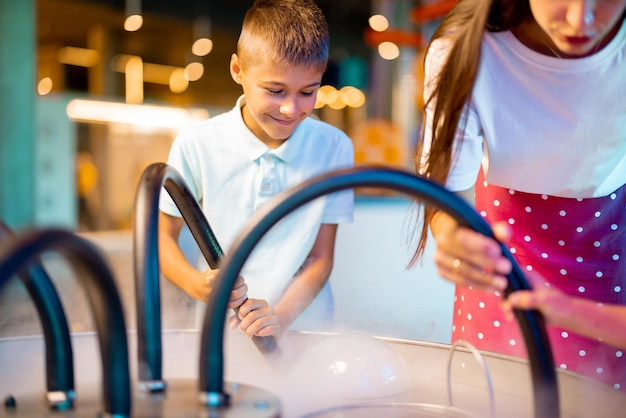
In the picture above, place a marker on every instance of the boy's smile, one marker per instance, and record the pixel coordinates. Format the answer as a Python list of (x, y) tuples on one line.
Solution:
[(277, 97)]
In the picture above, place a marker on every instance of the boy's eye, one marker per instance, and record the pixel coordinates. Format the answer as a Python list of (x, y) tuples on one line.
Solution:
[(275, 92), (307, 93)]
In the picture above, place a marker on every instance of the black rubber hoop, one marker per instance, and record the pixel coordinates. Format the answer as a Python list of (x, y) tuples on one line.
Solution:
[(101, 291), (146, 261), (57, 338), (545, 390)]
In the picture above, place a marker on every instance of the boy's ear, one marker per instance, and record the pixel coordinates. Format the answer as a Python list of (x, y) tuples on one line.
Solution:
[(235, 68)]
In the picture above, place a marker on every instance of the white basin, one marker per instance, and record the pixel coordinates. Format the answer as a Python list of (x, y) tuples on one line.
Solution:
[(320, 375)]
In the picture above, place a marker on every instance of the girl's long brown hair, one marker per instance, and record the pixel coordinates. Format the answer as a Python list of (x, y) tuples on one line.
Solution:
[(464, 27)]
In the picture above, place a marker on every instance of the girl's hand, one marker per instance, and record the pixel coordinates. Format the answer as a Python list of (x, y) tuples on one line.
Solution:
[(543, 297), (468, 258)]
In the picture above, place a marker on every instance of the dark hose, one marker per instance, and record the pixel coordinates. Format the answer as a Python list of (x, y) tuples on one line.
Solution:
[(59, 358), (531, 323), (146, 254), (104, 299)]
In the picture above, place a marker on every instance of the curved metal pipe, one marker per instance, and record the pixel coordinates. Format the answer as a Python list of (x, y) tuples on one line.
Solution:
[(104, 299), (59, 355), (146, 255), (543, 373)]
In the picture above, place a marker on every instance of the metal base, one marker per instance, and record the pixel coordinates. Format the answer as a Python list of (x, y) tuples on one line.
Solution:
[(180, 399)]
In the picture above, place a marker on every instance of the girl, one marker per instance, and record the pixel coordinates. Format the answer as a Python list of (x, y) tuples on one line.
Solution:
[(525, 115)]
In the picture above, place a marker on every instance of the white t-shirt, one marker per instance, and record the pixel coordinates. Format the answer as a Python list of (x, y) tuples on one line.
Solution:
[(543, 124), (232, 173)]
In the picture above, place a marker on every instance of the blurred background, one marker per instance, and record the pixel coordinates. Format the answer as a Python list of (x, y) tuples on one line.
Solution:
[(92, 91)]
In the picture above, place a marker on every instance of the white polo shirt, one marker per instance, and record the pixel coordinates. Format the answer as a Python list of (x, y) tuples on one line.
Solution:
[(232, 173)]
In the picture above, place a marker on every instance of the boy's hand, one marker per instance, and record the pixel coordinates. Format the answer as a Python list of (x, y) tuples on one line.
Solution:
[(239, 293), (257, 317), (202, 288)]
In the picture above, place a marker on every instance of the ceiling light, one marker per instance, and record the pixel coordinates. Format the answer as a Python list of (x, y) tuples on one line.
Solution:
[(202, 47), (91, 111), (134, 19), (44, 86), (194, 71), (178, 81), (388, 50), (202, 43), (379, 23), (134, 80), (81, 57), (352, 96), (152, 73)]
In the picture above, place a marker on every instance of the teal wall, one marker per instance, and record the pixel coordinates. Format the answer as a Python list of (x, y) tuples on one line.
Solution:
[(17, 97)]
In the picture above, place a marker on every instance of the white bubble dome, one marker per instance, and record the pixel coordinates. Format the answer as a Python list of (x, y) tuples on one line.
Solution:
[(353, 366)]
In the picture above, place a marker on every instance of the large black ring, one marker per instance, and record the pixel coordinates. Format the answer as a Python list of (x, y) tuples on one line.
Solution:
[(545, 390)]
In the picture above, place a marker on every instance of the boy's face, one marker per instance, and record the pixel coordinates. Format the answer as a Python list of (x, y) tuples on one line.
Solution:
[(278, 97)]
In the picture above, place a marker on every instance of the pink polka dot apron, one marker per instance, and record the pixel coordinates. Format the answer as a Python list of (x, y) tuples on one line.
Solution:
[(577, 244)]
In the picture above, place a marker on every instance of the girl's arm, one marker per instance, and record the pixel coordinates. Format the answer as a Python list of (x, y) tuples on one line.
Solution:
[(583, 316)]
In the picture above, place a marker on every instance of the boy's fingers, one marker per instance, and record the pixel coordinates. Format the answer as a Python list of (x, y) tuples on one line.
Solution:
[(236, 303), (233, 322)]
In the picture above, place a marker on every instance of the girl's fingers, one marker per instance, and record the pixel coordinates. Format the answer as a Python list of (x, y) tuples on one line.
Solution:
[(464, 272), (502, 231)]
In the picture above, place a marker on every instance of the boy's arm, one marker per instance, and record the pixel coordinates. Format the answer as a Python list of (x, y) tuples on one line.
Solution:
[(311, 277), (177, 269), (173, 263)]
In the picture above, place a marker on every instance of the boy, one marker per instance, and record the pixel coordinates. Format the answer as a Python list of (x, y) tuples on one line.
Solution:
[(236, 161)]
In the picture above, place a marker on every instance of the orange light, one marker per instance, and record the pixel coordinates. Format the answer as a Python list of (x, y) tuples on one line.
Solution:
[(133, 23)]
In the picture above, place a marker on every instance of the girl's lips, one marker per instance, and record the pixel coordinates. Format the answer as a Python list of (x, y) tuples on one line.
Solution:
[(577, 40)]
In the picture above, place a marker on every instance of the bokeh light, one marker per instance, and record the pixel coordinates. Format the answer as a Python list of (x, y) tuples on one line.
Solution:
[(133, 23), (352, 96), (44, 86), (178, 81), (379, 23), (202, 47), (388, 50), (194, 71)]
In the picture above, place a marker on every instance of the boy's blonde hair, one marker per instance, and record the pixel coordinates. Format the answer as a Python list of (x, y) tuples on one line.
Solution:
[(292, 32)]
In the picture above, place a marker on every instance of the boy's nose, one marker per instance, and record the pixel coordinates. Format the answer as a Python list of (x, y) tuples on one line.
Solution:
[(288, 107)]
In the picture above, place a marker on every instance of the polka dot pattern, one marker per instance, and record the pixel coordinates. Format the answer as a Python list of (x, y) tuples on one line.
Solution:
[(579, 245)]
